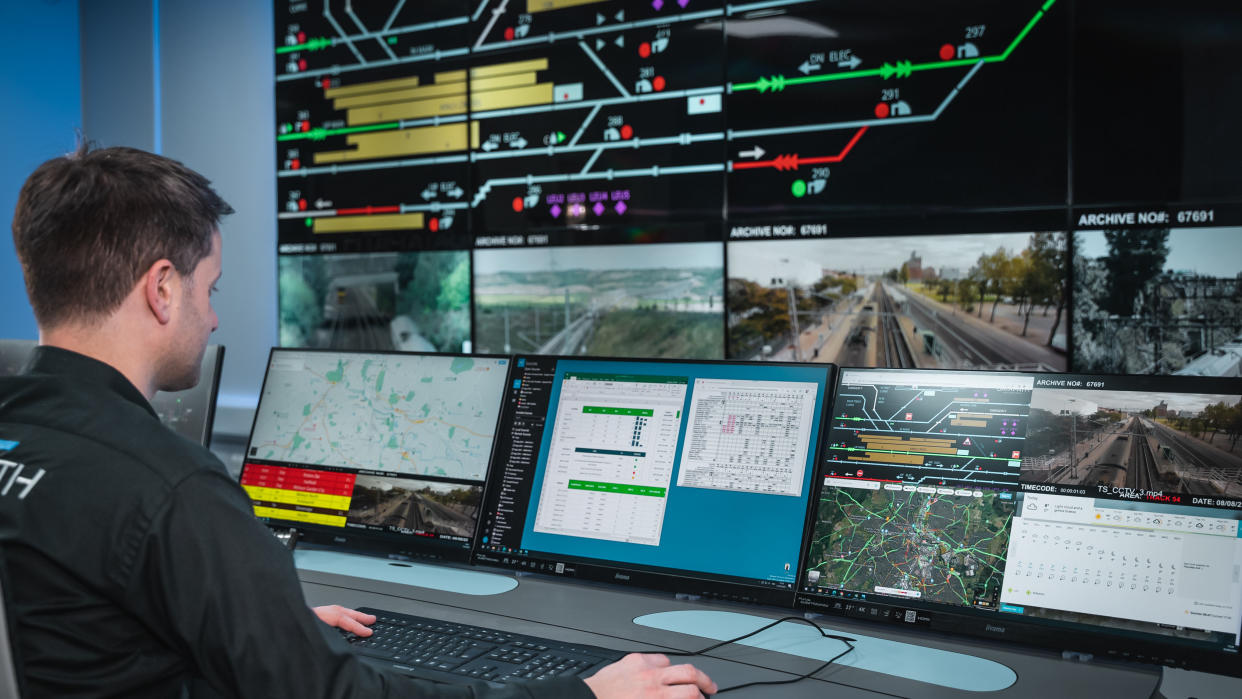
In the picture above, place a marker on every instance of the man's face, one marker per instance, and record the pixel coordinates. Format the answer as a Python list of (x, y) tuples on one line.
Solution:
[(195, 321)]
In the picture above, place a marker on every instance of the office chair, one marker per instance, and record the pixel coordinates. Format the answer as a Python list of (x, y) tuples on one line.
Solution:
[(10, 683)]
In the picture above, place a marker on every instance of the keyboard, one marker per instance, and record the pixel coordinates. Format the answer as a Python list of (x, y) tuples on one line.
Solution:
[(449, 652)]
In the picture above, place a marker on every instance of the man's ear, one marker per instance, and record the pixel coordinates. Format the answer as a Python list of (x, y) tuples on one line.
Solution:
[(158, 285)]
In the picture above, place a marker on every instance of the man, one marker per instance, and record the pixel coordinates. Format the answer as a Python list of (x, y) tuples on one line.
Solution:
[(135, 565)]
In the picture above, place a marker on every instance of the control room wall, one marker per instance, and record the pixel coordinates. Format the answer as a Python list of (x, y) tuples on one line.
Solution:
[(192, 80), (40, 81)]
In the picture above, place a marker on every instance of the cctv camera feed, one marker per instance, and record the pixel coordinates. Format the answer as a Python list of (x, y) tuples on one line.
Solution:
[(427, 506), (664, 300), (407, 301), (1158, 301), (982, 301), (1136, 442)]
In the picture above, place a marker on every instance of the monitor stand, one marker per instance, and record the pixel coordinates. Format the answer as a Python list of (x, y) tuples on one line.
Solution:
[(949, 669), (434, 577)]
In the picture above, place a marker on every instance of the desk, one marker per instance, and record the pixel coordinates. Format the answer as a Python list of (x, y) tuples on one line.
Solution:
[(603, 615)]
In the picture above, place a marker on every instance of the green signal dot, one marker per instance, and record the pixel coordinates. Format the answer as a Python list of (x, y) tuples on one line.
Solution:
[(392, 40), (309, 221), (799, 188)]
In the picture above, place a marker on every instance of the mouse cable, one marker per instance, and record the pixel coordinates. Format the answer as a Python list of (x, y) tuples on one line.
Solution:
[(849, 642)]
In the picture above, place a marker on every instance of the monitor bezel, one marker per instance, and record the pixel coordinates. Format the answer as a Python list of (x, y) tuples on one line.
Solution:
[(694, 584), (210, 416), (1046, 634), (387, 544)]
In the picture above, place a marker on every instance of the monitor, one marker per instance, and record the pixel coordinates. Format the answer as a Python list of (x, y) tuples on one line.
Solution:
[(189, 413), (639, 472), (375, 451), (13, 355), (1089, 513)]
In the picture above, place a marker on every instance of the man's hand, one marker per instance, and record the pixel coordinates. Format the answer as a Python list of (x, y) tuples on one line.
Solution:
[(347, 619), (643, 675)]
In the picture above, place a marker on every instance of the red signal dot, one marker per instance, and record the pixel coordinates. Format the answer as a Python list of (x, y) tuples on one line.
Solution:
[(644, 49), (881, 110), (434, 224), (301, 37), (295, 164), (947, 51), (658, 83), (517, 204), (326, 83), (301, 205), (305, 125), (301, 64), (509, 34), (627, 132)]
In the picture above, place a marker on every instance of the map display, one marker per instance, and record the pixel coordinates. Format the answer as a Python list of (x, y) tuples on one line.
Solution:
[(939, 548), (401, 414)]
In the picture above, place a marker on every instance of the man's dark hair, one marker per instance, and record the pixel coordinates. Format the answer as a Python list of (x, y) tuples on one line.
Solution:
[(89, 224)]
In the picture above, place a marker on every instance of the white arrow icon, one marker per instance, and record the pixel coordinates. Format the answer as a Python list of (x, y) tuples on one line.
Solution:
[(519, 143), (428, 193), (599, 44), (755, 153), (807, 67), (456, 192), (321, 204), (853, 63), (599, 19), (490, 146)]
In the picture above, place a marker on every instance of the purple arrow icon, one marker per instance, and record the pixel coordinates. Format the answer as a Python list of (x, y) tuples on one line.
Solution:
[(657, 4), (620, 207), (598, 208), (556, 211), (683, 3)]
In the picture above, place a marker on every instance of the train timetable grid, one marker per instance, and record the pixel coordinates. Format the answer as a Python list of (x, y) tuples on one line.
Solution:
[(753, 440)]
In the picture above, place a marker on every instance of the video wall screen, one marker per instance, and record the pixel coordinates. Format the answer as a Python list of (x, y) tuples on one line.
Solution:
[(902, 301), (609, 300), (895, 184), (1158, 300)]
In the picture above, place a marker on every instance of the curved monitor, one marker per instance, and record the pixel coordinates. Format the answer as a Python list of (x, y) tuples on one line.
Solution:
[(690, 476), (1097, 514), (384, 451)]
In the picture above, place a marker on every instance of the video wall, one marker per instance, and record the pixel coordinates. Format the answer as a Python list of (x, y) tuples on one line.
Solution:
[(1042, 185)]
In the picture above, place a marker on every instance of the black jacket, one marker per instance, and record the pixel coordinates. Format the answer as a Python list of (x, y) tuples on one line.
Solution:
[(137, 566)]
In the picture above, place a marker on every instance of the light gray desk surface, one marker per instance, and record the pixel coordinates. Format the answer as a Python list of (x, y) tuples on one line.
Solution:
[(602, 615)]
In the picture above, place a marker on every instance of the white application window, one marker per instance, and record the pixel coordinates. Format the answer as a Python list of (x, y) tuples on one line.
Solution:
[(1071, 554), (610, 460), (748, 436)]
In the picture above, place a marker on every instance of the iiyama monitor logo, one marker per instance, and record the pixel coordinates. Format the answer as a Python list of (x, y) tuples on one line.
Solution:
[(621, 576), (993, 628)]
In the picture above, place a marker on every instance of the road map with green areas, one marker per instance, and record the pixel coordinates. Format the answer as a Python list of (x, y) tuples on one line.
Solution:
[(414, 414), (939, 548)]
